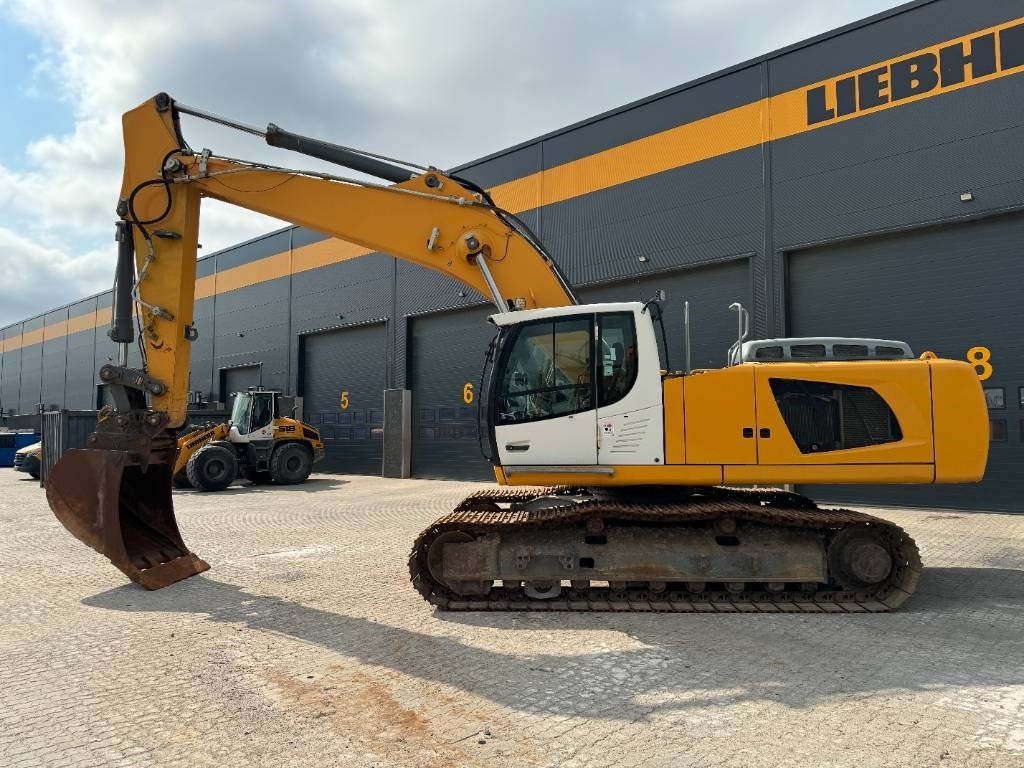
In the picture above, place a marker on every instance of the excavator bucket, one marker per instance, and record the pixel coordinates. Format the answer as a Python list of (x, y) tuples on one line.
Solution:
[(108, 501)]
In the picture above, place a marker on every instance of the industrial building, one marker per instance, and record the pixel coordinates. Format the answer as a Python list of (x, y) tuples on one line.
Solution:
[(867, 182)]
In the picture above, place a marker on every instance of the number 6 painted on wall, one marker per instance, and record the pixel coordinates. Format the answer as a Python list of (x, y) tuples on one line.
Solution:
[(979, 357), (467, 393)]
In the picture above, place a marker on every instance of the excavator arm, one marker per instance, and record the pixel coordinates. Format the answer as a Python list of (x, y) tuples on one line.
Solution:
[(115, 494)]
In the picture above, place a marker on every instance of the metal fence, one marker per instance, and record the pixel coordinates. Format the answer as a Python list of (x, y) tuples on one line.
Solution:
[(62, 431)]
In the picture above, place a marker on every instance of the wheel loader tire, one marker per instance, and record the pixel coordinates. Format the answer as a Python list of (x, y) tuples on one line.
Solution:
[(291, 464), (256, 477), (212, 468), (181, 480)]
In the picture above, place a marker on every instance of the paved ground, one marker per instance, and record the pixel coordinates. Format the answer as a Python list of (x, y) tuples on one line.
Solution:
[(306, 646)]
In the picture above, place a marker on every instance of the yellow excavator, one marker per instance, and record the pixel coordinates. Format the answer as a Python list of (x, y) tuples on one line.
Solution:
[(627, 486), (257, 442)]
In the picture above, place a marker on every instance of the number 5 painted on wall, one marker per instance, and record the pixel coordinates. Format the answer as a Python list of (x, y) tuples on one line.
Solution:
[(344, 400), (979, 357)]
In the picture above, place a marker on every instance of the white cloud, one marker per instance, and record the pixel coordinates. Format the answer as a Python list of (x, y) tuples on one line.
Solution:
[(38, 277), (437, 83)]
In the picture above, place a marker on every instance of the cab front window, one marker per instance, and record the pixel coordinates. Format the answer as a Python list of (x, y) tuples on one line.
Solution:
[(548, 372)]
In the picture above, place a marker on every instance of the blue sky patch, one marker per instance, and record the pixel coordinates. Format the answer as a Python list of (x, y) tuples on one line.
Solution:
[(32, 107)]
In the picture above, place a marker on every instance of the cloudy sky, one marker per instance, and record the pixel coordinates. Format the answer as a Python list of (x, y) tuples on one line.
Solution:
[(393, 76)]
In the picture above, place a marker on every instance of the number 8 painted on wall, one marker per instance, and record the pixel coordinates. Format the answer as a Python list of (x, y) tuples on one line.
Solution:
[(979, 357)]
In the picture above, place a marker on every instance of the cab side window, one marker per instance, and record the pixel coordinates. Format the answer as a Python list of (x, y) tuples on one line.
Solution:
[(617, 367), (262, 413), (548, 372)]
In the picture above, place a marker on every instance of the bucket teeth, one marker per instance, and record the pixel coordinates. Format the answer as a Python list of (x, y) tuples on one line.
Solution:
[(107, 500)]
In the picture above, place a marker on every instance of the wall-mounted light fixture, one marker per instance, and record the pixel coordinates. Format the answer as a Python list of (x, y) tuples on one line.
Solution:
[(966, 197), (642, 259)]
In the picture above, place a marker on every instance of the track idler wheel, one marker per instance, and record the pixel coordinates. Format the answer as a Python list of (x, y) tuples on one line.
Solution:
[(859, 557), (435, 564), (106, 500)]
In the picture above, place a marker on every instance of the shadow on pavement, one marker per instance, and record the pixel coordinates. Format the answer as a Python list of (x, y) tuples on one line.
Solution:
[(964, 628), (312, 485)]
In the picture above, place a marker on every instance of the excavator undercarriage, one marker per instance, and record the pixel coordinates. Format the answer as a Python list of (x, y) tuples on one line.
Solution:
[(661, 549)]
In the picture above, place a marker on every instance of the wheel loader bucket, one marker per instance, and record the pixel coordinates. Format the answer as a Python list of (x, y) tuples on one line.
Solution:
[(106, 500)]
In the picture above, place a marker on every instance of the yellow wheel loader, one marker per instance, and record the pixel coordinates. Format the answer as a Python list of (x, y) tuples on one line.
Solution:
[(622, 466), (257, 443)]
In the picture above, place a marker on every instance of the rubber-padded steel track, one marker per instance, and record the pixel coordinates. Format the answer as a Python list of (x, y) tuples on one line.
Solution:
[(498, 510)]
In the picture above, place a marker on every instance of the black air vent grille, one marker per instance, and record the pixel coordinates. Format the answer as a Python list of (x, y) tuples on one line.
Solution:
[(831, 417)]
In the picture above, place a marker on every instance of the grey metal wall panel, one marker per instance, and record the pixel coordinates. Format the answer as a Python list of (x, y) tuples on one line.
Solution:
[(603, 236), (10, 374), (80, 376), (352, 361), (302, 236), (947, 289), (30, 391), (901, 166), (54, 363), (505, 167), (905, 32), (703, 100), (252, 325), (357, 290), (201, 371), (258, 248), (83, 307), (206, 265)]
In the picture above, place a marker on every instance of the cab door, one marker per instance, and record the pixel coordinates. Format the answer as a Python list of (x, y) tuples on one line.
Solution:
[(545, 411)]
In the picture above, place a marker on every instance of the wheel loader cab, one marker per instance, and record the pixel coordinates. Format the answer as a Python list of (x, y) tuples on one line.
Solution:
[(252, 416)]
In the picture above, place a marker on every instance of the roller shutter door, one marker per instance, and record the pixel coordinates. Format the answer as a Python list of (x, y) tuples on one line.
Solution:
[(447, 351), (344, 373), (947, 290), (238, 380)]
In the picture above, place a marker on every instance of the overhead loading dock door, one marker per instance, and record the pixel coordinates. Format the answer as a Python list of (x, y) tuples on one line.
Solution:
[(237, 379), (447, 353), (343, 381), (949, 290)]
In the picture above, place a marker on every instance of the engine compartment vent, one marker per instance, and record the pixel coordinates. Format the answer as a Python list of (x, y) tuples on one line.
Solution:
[(832, 417), (818, 349)]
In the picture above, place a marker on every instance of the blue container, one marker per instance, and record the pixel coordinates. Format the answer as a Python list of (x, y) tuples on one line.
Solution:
[(11, 442)]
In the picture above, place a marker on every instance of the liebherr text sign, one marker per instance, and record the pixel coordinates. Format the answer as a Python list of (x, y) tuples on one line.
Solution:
[(929, 72)]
